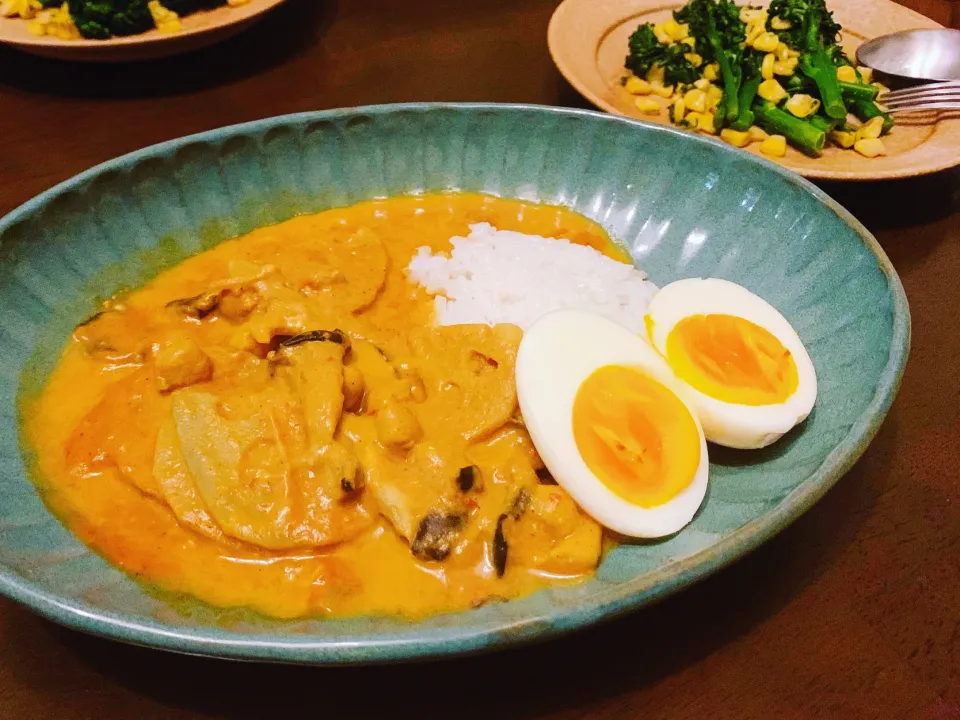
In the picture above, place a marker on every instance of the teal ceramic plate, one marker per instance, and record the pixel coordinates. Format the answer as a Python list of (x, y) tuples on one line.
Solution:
[(682, 205)]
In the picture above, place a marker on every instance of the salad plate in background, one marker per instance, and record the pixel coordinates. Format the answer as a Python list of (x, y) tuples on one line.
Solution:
[(589, 44), (191, 32)]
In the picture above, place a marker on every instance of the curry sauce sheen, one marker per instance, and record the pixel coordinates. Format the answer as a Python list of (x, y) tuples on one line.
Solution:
[(278, 424)]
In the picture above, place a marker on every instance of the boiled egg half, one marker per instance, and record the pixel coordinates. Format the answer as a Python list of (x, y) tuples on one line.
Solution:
[(609, 419), (747, 374)]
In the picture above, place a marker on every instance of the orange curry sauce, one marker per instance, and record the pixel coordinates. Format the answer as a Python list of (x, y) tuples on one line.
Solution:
[(269, 531)]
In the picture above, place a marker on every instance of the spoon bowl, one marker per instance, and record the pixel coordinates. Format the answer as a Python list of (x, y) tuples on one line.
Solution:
[(914, 54)]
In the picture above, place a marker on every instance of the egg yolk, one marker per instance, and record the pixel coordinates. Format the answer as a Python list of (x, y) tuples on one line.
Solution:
[(635, 435), (732, 360)]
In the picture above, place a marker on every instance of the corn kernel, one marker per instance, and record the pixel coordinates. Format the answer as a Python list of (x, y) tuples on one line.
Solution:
[(637, 86), (660, 90), (802, 105), (843, 138), (166, 21), (26, 9), (714, 95), (678, 110), (706, 124), (793, 53), (766, 42), (702, 84), (692, 120), (711, 71), (749, 14), (845, 73), (662, 35), (766, 67), (772, 91), (690, 41), (782, 52), (774, 146), (757, 134), (871, 129), (647, 106), (754, 31), (696, 100), (870, 147), (780, 24), (787, 67), (694, 59), (676, 30), (866, 74), (735, 137), (655, 74), (53, 22)]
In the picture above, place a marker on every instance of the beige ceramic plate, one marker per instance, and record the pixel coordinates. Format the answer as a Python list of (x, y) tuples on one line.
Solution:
[(199, 30), (588, 41)]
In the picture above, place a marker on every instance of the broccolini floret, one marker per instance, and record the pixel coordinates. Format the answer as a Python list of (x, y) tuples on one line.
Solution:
[(749, 85), (646, 51), (814, 32), (102, 19), (719, 34)]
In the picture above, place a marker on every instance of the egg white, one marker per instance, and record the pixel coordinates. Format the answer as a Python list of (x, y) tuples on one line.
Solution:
[(732, 424), (556, 355)]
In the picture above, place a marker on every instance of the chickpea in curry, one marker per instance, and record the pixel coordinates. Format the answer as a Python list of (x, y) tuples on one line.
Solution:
[(278, 423)]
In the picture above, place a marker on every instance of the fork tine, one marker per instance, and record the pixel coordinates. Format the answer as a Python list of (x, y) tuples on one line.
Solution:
[(925, 106), (937, 94), (947, 96), (902, 102), (922, 90)]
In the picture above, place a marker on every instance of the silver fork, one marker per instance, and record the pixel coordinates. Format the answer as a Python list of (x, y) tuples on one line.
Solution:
[(934, 96)]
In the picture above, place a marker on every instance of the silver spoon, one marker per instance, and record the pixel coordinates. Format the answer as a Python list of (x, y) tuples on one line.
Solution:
[(914, 54)]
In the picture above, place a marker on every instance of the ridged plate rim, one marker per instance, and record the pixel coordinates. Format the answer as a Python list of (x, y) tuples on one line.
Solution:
[(466, 639)]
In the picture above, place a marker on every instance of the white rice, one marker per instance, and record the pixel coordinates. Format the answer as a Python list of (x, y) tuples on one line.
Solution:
[(496, 276)]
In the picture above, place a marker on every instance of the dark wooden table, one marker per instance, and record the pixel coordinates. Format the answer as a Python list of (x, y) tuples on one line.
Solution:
[(853, 612)]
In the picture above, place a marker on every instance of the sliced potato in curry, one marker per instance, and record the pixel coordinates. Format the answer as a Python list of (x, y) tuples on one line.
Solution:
[(257, 475), (178, 486), (349, 271), (273, 474), (468, 371)]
